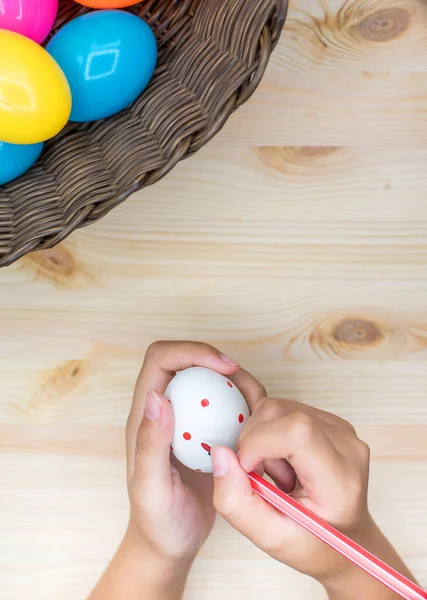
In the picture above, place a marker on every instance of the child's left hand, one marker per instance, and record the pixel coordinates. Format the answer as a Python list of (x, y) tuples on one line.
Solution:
[(171, 507)]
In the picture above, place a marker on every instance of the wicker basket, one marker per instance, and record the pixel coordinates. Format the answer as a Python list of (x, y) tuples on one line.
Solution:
[(212, 55)]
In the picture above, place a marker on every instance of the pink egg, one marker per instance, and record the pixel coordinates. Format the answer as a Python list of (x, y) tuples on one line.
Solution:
[(32, 18)]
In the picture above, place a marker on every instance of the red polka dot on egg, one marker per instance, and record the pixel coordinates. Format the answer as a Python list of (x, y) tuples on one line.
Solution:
[(186, 436), (229, 384), (241, 418), (205, 402)]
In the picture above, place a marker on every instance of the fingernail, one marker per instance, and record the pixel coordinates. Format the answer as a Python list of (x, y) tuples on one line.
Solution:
[(228, 360), (219, 461), (153, 406)]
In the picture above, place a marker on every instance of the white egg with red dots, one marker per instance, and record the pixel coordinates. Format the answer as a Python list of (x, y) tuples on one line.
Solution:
[(209, 411)]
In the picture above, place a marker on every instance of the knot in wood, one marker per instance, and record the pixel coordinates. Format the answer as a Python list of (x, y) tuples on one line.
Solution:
[(384, 25), (357, 332), (56, 263)]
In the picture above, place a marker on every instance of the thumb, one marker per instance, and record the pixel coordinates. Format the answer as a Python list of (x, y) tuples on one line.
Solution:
[(241, 507), (152, 450), (232, 485)]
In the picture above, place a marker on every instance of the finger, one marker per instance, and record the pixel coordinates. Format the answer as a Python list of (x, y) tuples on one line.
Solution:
[(281, 473), (323, 415), (303, 444), (265, 410), (162, 361), (250, 387), (152, 469), (241, 507), (341, 438), (201, 485), (270, 409)]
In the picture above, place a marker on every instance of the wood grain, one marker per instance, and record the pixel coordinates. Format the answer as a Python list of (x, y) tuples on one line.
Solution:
[(346, 72), (323, 108), (297, 242), (373, 35)]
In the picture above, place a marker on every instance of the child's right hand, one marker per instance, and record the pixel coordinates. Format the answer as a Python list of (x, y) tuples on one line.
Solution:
[(320, 455)]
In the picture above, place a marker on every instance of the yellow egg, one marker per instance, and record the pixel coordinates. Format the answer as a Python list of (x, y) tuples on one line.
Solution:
[(35, 98)]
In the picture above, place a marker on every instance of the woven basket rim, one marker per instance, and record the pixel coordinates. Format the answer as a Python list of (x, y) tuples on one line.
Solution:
[(45, 205)]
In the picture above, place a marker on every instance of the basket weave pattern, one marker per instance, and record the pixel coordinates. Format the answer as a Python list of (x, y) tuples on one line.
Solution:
[(212, 56)]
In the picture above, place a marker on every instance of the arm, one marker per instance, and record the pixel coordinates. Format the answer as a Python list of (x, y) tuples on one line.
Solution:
[(171, 507), (318, 458), (354, 583), (136, 575), (172, 512)]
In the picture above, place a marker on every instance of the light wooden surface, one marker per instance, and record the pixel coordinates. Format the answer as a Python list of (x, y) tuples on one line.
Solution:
[(297, 242)]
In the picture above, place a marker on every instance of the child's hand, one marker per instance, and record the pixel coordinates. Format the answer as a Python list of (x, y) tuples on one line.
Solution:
[(172, 511), (171, 507), (316, 453)]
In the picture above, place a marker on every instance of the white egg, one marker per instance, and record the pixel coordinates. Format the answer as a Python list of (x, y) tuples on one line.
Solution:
[(209, 411)]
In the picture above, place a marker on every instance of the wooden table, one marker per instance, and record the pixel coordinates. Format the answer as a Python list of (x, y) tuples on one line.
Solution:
[(297, 242)]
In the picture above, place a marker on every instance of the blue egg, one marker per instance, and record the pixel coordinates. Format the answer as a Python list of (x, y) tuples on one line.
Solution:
[(15, 159), (108, 57)]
